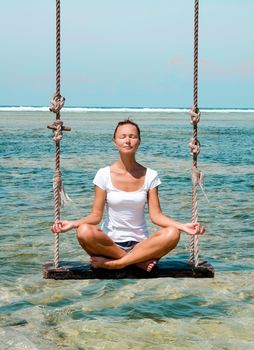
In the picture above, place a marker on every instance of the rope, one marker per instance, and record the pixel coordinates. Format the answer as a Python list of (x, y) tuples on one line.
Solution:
[(194, 143), (57, 102), (195, 89)]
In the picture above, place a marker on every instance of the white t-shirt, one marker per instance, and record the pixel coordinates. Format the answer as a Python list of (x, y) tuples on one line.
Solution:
[(125, 218)]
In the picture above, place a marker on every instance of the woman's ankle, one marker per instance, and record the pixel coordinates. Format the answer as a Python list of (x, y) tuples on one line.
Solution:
[(116, 264)]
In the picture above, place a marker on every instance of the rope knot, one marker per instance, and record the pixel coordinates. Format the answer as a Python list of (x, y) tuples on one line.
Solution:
[(57, 102), (62, 198), (197, 177), (194, 145), (195, 115), (58, 135), (198, 180)]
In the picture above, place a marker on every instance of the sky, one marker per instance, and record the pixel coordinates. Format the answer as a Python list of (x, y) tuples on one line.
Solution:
[(127, 53)]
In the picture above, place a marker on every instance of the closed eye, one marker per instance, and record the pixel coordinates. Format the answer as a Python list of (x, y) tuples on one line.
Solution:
[(131, 136)]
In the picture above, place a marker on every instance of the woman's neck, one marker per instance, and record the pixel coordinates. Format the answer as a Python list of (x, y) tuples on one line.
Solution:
[(127, 163)]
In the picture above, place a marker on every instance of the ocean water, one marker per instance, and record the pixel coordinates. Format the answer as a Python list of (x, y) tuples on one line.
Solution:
[(152, 314)]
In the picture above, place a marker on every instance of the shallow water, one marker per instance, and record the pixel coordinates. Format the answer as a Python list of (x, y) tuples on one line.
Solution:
[(126, 314)]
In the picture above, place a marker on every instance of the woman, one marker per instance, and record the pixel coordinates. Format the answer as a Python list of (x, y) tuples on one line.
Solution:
[(125, 187)]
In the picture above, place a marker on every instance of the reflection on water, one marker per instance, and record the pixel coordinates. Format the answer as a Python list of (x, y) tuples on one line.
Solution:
[(126, 314)]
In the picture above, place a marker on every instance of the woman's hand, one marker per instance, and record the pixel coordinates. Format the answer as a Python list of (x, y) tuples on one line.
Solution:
[(62, 226), (193, 228)]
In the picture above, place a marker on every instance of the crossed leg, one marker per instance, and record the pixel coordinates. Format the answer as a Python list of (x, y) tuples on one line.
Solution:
[(106, 254), (97, 244)]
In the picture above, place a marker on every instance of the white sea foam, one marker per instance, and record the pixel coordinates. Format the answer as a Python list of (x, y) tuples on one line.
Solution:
[(23, 109), (93, 109), (237, 110), (122, 109)]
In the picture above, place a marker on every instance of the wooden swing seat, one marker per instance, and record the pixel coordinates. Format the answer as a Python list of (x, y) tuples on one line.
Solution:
[(165, 268)]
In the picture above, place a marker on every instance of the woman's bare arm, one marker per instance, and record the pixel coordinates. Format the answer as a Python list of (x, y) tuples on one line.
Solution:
[(93, 218), (158, 218)]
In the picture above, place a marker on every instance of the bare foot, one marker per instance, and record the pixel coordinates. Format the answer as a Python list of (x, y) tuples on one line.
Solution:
[(104, 263), (147, 265)]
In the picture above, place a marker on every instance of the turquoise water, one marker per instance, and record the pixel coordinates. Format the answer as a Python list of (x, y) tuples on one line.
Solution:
[(126, 314)]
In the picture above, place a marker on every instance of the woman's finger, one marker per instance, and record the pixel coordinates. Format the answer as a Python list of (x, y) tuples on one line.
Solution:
[(197, 228), (202, 230), (56, 228)]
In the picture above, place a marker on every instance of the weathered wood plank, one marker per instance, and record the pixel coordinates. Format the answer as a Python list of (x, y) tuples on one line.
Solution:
[(165, 268)]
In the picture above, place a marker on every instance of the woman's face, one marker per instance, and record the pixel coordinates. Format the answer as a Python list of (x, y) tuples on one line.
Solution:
[(126, 139)]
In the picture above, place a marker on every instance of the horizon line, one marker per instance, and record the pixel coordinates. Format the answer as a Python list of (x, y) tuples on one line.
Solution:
[(35, 108)]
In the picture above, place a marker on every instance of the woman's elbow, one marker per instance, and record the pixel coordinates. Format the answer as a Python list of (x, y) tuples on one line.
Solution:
[(97, 218), (98, 221), (155, 218)]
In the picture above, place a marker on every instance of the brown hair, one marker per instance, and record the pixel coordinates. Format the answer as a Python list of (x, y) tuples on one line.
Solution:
[(127, 121)]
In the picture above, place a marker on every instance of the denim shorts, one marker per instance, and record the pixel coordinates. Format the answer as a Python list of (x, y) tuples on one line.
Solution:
[(127, 246)]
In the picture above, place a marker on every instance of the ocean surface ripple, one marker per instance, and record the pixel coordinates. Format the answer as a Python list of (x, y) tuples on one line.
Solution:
[(126, 314)]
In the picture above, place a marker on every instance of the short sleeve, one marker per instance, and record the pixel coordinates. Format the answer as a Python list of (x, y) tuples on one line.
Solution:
[(100, 178), (153, 179)]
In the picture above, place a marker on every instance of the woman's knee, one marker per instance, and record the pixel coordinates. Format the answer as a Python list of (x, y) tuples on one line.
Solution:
[(171, 235), (85, 232)]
